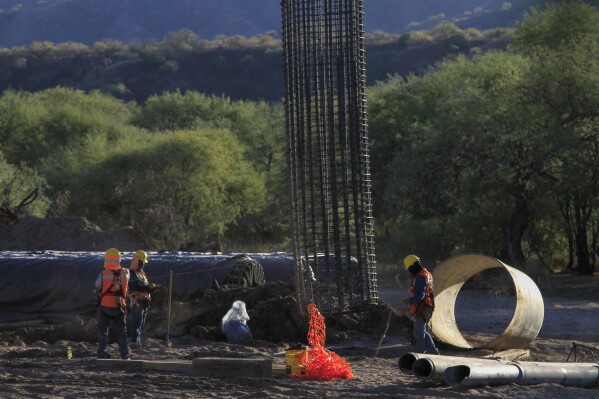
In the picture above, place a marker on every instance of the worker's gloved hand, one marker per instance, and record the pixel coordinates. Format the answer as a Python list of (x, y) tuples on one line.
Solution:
[(157, 288)]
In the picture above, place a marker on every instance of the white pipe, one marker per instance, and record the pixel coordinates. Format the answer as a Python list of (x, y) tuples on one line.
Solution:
[(433, 366), (406, 361), (434, 369), (478, 375), (572, 374), (524, 373)]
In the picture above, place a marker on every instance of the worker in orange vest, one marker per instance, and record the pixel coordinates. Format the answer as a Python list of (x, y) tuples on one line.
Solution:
[(113, 284), (421, 304)]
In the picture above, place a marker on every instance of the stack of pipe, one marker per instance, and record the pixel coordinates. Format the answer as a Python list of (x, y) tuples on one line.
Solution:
[(469, 372)]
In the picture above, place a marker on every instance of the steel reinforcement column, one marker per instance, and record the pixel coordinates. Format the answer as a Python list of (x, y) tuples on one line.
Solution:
[(327, 135)]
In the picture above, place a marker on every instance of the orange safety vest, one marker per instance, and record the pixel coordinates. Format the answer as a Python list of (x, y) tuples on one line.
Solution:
[(114, 288), (429, 298)]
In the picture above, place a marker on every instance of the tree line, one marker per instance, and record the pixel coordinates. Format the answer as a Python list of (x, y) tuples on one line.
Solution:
[(182, 168), (238, 67), (494, 153)]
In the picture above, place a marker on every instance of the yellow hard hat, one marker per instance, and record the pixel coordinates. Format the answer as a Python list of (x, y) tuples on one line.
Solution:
[(410, 260), (112, 259), (139, 256)]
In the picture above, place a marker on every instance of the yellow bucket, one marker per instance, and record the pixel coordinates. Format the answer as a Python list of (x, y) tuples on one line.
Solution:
[(293, 361)]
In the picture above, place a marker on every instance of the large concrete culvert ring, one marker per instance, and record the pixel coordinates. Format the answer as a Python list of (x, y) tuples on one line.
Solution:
[(451, 275)]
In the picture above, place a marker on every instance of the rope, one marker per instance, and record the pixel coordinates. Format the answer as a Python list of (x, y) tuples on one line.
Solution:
[(322, 364), (384, 333)]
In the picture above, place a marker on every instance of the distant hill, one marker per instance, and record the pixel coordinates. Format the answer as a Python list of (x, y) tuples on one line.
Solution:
[(87, 21), (237, 68)]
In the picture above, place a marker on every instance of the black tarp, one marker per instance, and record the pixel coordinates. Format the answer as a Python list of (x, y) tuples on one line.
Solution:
[(56, 286)]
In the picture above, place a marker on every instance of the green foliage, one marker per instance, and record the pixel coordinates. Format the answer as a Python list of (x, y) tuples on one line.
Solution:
[(37, 126), (562, 43), (178, 187), (447, 160), (496, 154), (259, 126), (559, 25), (195, 179), (21, 190)]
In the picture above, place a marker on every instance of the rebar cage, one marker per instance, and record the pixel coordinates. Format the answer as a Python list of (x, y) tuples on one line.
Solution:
[(327, 137)]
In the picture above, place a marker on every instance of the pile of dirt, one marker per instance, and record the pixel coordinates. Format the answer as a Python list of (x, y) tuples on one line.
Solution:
[(65, 234), (274, 317)]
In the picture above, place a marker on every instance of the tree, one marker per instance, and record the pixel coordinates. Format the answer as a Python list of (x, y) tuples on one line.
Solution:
[(465, 161), (559, 26), (178, 187), (258, 125), (37, 126), (562, 43), (21, 192)]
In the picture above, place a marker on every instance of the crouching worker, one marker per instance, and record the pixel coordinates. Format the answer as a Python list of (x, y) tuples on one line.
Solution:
[(113, 284), (234, 324), (422, 304), (140, 295)]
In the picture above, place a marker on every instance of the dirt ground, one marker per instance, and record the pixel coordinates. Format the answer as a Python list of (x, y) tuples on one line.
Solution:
[(41, 370), (35, 365)]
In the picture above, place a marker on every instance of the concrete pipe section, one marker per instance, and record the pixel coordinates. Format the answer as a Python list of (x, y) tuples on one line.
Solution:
[(523, 373), (433, 367), (451, 275)]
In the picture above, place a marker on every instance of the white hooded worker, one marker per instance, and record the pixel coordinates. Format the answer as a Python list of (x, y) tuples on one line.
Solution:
[(234, 324)]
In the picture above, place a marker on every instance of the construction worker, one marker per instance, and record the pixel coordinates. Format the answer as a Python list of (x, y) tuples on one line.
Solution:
[(422, 304), (140, 295), (113, 283)]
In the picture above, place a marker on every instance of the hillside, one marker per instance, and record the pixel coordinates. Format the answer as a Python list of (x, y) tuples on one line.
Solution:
[(237, 69), (87, 21)]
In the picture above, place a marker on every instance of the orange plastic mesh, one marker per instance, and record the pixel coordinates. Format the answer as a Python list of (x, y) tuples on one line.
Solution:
[(321, 363)]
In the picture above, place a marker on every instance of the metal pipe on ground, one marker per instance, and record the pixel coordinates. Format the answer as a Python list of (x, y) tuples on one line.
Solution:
[(524, 373), (571, 374), (478, 375), (427, 366), (406, 361), (434, 368)]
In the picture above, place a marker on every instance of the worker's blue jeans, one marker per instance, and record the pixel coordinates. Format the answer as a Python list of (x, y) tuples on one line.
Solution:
[(104, 317), (138, 319), (424, 341)]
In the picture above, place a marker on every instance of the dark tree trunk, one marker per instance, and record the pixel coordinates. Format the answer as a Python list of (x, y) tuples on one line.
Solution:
[(581, 222), (567, 216), (516, 228)]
